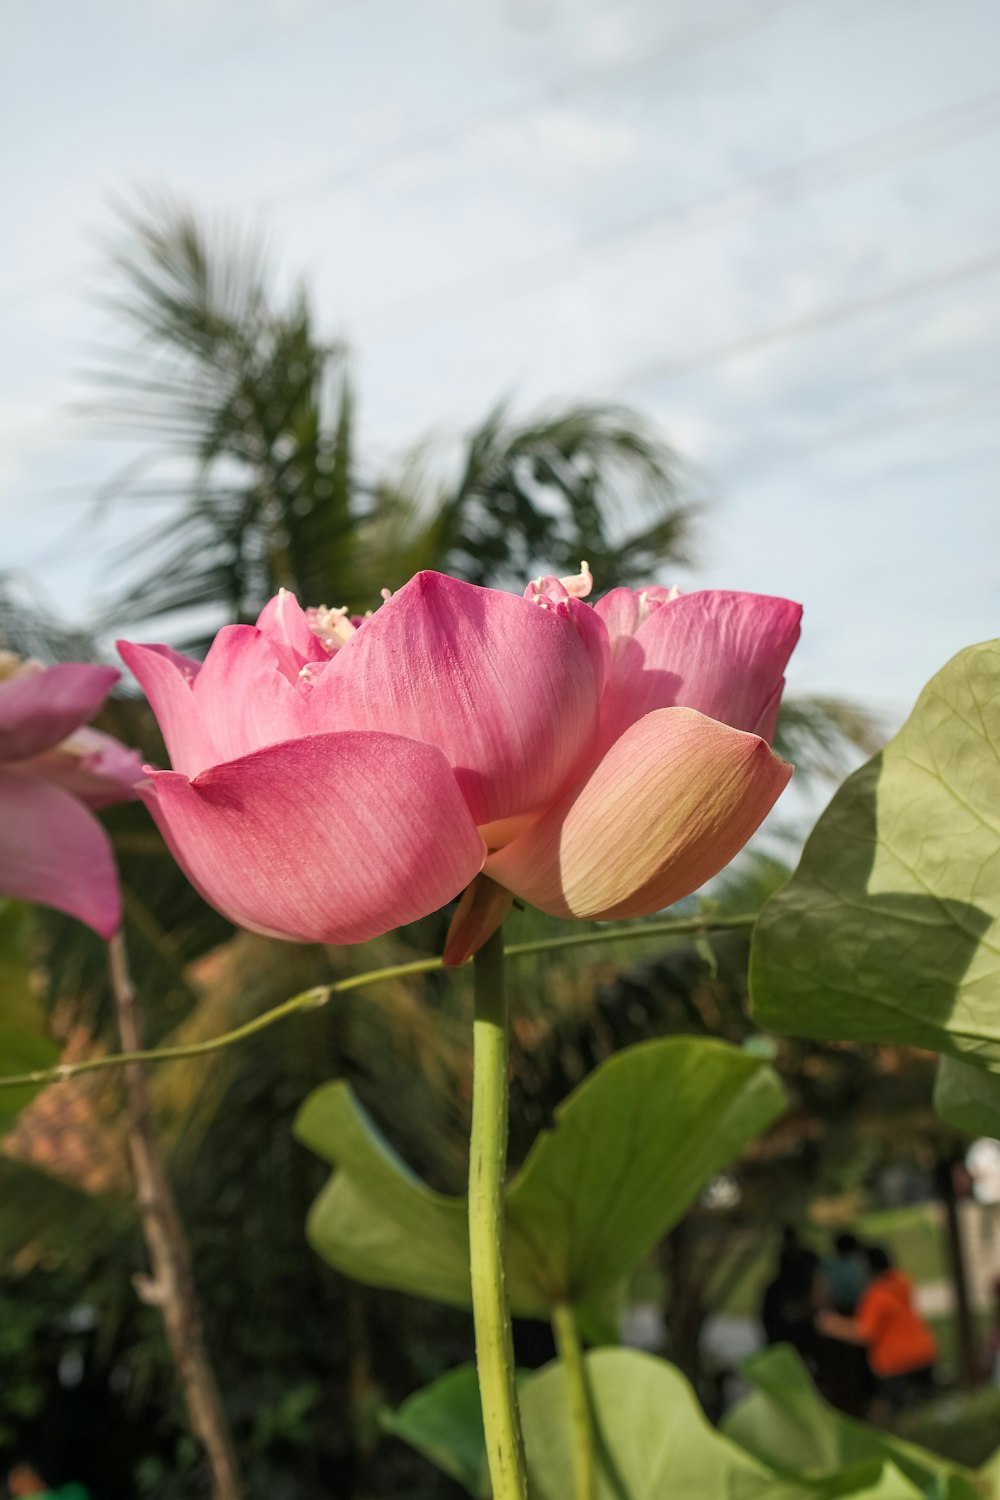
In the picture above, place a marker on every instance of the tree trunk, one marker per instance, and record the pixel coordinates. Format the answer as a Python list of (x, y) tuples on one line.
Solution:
[(965, 1333), (684, 1314), (171, 1285)]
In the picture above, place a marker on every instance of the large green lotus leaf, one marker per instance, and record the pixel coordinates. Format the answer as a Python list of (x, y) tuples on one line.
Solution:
[(653, 1441), (375, 1220), (652, 1437), (444, 1422), (988, 1479), (968, 1097), (24, 1040), (878, 1481), (631, 1149), (785, 1423), (889, 931), (890, 1484)]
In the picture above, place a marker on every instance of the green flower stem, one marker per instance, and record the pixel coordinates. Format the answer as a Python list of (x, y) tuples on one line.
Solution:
[(570, 1353), (487, 1160), (319, 996)]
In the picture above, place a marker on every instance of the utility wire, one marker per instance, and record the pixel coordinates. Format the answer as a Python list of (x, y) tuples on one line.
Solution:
[(438, 137), (872, 153), (434, 138), (855, 432), (827, 317)]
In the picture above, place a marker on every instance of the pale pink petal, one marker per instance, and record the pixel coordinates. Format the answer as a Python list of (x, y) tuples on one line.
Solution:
[(38, 709), (671, 803), (619, 610), (286, 626), (653, 594), (333, 838), (576, 586), (579, 585), (53, 851), (95, 767), (721, 653), (166, 677), (507, 689), (624, 610), (547, 587), (483, 906)]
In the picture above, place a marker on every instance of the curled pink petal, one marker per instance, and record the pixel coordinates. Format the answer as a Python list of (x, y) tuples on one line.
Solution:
[(286, 626), (332, 838), (673, 800), (52, 850), (721, 653), (40, 708), (481, 910), (506, 688), (166, 677)]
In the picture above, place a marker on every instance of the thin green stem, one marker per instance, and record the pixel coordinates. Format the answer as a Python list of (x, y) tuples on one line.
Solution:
[(570, 1353), (487, 1160), (671, 927), (319, 996)]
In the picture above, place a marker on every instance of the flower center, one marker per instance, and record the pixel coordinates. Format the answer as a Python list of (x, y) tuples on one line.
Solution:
[(333, 628)]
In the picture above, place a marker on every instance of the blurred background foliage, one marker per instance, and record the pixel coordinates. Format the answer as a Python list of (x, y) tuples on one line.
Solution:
[(252, 475)]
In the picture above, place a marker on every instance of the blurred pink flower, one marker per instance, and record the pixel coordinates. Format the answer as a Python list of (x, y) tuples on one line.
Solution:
[(336, 777), (53, 768)]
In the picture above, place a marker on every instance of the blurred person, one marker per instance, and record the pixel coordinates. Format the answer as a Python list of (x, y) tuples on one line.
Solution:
[(846, 1274), (902, 1351), (843, 1374), (24, 1480), (788, 1307), (25, 1483)]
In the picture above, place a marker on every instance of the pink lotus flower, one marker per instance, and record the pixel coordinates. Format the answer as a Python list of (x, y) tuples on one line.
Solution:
[(333, 779), (53, 768)]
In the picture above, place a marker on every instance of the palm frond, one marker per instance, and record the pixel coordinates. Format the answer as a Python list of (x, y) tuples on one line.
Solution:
[(538, 495), (825, 736), (258, 410), (250, 413)]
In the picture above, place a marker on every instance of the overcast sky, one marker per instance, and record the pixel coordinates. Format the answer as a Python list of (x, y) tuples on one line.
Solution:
[(772, 225)]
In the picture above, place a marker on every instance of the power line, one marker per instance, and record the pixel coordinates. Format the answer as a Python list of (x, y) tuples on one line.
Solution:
[(827, 317), (856, 432), (437, 137), (434, 137), (834, 168)]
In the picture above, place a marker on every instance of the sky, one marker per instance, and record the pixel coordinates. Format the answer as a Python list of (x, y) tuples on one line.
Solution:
[(771, 226)]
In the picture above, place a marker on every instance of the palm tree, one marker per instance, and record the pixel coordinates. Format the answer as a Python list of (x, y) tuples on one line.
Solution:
[(260, 410)]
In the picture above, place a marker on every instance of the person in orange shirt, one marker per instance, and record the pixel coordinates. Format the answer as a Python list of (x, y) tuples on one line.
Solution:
[(901, 1347)]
